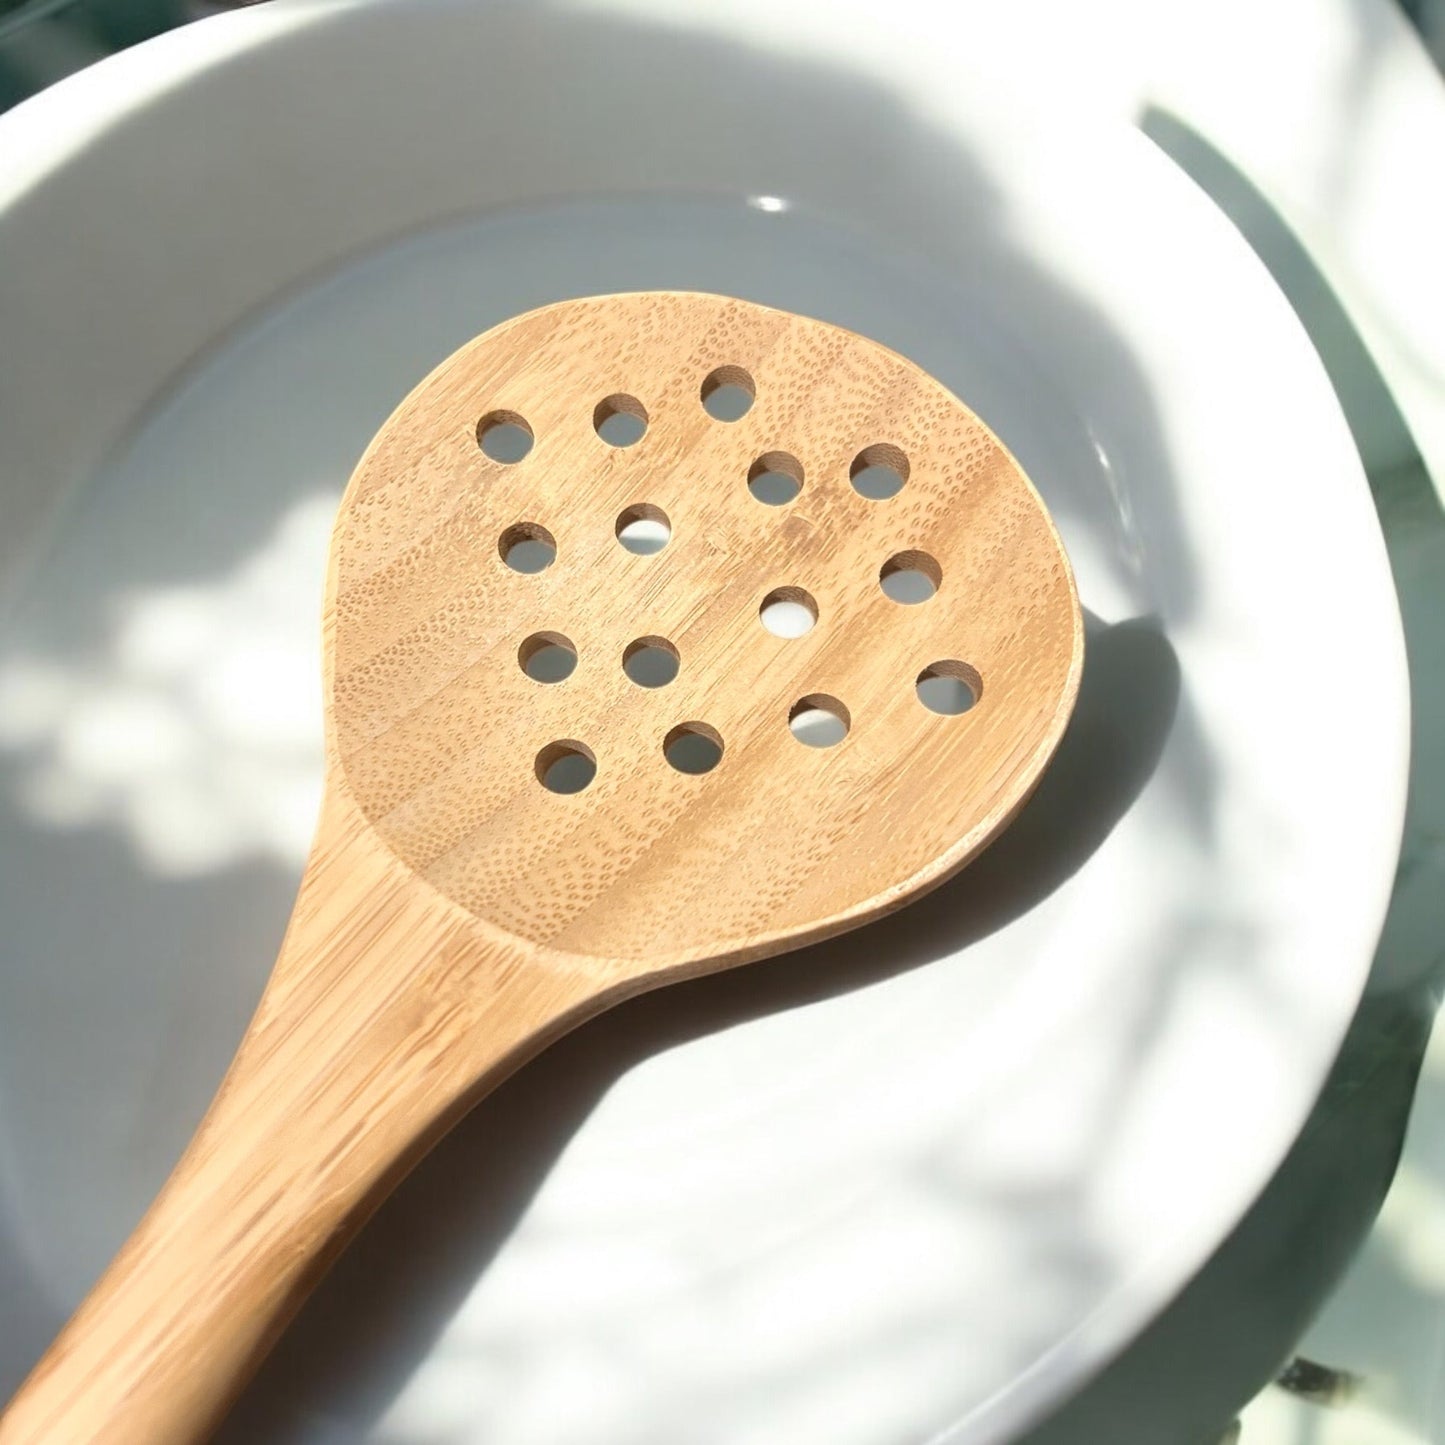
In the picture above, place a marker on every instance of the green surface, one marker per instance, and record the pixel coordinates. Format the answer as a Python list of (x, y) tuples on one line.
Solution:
[(41, 41)]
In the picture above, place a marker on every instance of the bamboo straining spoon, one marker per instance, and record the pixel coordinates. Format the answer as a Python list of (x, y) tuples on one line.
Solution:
[(574, 700)]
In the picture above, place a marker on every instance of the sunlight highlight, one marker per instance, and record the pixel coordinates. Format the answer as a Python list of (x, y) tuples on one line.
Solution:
[(1412, 1219), (197, 732)]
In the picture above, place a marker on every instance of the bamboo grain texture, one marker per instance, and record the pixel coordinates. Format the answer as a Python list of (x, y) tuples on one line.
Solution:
[(457, 913)]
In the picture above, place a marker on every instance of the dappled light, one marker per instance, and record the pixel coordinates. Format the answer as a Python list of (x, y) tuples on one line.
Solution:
[(195, 728)]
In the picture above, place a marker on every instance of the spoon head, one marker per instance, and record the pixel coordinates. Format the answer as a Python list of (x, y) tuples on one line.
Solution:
[(668, 629)]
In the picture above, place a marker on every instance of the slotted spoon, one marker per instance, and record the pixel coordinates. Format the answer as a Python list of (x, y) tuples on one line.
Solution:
[(662, 631)]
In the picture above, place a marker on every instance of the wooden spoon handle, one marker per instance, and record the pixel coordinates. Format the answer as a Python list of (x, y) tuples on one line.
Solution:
[(371, 1039)]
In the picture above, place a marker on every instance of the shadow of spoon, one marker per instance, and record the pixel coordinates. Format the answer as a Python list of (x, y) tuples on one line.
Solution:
[(374, 1318)]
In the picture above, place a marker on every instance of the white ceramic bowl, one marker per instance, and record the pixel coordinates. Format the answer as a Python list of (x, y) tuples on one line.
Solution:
[(915, 1184)]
